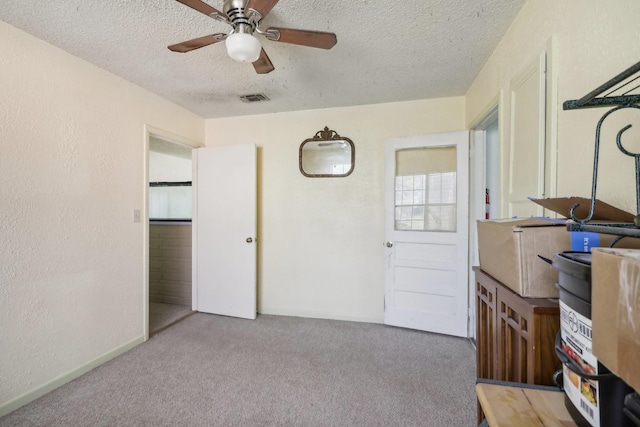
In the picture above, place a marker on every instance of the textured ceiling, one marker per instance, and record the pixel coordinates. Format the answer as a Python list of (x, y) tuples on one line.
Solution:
[(387, 50)]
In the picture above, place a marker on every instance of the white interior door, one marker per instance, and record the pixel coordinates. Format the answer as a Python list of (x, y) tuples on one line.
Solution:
[(224, 230), (426, 230)]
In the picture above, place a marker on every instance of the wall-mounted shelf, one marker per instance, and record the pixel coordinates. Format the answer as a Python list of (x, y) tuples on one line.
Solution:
[(617, 91), (621, 92)]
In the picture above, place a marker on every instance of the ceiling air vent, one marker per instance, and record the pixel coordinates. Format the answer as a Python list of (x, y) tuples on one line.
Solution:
[(254, 98)]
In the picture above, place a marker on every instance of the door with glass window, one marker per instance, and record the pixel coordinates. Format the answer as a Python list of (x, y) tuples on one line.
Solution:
[(426, 232)]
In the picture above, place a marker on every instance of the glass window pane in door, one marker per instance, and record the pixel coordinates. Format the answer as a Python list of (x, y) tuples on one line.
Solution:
[(425, 186)]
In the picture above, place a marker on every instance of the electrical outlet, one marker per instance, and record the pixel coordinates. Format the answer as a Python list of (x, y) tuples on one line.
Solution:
[(136, 215)]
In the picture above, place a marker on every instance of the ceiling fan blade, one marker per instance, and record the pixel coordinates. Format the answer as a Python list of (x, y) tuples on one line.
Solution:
[(190, 45), (200, 6), (261, 6), (263, 65), (309, 38)]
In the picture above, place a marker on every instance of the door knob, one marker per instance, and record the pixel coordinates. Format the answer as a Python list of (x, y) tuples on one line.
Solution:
[(389, 244), (249, 240)]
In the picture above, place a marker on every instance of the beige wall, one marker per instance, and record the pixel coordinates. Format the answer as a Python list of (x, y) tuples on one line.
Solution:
[(168, 168), (72, 172), (595, 40), (320, 240)]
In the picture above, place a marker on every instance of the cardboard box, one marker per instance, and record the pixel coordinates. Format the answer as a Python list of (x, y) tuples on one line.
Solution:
[(615, 311), (509, 249), (602, 210), (509, 252)]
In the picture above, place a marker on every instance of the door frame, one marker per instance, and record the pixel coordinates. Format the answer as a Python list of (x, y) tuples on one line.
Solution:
[(150, 131), (477, 187)]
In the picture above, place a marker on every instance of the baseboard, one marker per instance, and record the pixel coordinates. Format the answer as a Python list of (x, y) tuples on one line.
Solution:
[(40, 391), (320, 315)]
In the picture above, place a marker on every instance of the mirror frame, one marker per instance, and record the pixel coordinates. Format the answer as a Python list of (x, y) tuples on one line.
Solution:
[(330, 136)]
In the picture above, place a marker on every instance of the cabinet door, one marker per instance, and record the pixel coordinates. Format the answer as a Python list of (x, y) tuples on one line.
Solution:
[(486, 326), (515, 348), (527, 328)]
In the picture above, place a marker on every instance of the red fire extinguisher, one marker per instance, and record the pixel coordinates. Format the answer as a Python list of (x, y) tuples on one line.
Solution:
[(486, 204)]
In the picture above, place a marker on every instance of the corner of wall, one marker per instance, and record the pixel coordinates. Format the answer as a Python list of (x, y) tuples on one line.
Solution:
[(30, 396)]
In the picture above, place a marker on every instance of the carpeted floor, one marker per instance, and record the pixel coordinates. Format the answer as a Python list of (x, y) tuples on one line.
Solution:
[(275, 371)]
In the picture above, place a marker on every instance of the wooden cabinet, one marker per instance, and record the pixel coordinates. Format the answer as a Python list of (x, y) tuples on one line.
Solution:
[(515, 335)]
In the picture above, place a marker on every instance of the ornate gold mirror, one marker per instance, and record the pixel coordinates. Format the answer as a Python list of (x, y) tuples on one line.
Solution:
[(327, 155)]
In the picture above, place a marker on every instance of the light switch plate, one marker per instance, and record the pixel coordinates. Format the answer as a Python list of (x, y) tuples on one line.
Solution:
[(136, 215)]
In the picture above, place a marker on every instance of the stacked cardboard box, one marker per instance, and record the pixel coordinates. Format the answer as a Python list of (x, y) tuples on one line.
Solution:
[(615, 311), (511, 249)]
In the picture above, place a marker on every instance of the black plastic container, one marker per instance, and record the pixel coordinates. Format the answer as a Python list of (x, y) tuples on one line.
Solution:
[(593, 395), (574, 274), (632, 407)]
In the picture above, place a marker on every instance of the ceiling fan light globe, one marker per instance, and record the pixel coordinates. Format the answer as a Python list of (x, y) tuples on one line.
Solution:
[(243, 47)]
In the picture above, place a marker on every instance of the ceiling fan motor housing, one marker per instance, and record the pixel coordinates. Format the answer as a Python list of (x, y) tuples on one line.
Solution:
[(238, 18)]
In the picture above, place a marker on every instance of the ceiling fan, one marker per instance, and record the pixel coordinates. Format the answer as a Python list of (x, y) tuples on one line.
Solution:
[(245, 17)]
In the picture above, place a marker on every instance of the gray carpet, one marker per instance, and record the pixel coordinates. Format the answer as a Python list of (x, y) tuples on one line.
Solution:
[(276, 371)]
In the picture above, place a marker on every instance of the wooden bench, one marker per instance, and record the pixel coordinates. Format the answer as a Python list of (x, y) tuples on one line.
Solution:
[(507, 404)]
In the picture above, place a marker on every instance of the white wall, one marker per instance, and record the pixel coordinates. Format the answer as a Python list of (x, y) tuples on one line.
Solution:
[(167, 168), (320, 240), (595, 41), (72, 172)]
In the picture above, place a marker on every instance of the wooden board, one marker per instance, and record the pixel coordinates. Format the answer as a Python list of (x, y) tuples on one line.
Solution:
[(506, 406)]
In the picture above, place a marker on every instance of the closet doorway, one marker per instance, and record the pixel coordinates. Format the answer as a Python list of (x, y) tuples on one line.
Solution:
[(169, 208)]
